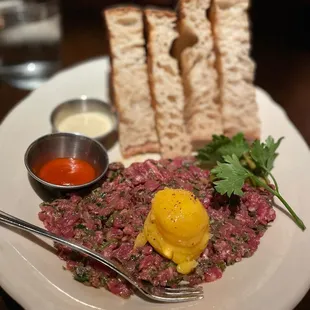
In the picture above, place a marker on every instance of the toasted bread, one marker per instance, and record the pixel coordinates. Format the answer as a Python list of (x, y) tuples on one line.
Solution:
[(195, 50), (129, 77), (166, 84), (236, 68)]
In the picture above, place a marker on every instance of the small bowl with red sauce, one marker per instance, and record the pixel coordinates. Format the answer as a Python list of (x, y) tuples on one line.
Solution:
[(66, 161)]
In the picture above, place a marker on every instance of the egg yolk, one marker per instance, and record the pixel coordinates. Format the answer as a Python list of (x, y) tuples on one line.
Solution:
[(177, 227)]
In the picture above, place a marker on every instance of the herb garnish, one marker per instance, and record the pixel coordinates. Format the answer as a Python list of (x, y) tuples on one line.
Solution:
[(80, 226), (81, 274), (236, 161), (81, 278)]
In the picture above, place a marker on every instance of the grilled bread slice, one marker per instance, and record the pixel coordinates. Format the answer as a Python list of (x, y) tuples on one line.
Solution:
[(131, 92), (236, 68), (195, 50), (166, 84)]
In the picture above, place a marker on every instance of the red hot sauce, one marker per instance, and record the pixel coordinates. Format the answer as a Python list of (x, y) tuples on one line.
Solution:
[(67, 171)]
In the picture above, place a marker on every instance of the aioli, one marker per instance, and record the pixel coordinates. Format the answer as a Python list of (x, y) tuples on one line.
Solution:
[(92, 124)]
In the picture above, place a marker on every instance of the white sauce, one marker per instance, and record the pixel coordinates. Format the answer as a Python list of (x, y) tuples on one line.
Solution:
[(91, 124)]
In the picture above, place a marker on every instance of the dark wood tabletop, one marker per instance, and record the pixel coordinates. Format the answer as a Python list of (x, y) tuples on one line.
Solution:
[(281, 49)]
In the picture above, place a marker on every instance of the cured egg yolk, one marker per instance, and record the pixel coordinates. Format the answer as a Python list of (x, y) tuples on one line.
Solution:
[(177, 227)]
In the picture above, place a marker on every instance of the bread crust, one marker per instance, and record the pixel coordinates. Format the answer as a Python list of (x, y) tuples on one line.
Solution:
[(200, 78), (130, 88), (236, 68), (166, 84), (215, 93)]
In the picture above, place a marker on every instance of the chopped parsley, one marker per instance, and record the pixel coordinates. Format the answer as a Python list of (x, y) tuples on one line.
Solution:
[(245, 237), (134, 257), (114, 175), (81, 274), (81, 278), (80, 226), (110, 221), (221, 265), (260, 228), (103, 280), (105, 244)]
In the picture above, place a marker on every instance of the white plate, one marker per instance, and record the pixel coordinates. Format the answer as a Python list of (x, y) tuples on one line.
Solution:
[(276, 277)]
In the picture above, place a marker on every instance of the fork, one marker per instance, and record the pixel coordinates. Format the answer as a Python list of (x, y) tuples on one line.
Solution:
[(182, 293)]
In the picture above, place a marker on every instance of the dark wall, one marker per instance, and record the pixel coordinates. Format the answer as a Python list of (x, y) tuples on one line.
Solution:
[(288, 21), (99, 4)]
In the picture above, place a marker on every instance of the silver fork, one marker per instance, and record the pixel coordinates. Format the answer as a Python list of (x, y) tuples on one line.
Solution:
[(160, 294)]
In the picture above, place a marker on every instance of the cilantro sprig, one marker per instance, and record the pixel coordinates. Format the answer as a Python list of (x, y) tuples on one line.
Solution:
[(235, 162)]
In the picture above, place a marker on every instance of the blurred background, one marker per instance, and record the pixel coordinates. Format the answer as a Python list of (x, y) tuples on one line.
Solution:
[(281, 49)]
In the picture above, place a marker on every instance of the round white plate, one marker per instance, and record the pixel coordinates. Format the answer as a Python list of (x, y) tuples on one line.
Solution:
[(276, 277)]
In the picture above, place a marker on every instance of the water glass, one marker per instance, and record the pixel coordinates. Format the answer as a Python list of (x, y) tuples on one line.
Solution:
[(30, 37)]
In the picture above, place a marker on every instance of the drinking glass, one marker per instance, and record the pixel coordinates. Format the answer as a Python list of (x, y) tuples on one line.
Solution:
[(30, 37)]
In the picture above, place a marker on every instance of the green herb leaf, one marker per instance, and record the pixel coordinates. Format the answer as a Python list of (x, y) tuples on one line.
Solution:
[(110, 221), (105, 244), (264, 154), (210, 154), (230, 176), (103, 280), (134, 257), (81, 278), (113, 175), (81, 274), (221, 265), (235, 162), (237, 146), (221, 146), (80, 226)]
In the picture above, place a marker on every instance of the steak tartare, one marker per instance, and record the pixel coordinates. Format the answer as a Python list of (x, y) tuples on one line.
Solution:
[(109, 219)]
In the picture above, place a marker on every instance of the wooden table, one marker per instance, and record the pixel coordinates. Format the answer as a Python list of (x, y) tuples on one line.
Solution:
[(283, 70)]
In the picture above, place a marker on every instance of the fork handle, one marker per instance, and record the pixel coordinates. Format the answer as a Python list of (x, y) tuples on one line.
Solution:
[(165, 296), (23, 225)]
